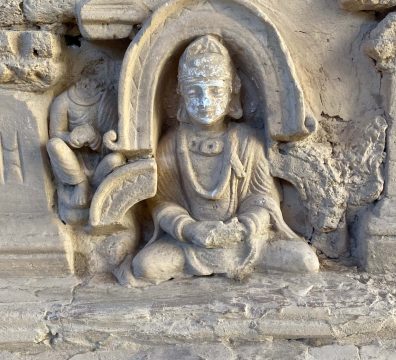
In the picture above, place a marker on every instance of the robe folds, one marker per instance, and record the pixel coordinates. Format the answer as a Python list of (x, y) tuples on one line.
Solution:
[(249, 194)]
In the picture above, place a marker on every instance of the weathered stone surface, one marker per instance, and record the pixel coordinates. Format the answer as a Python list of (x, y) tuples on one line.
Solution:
[(49, 11), (30, 60), (349, 172), (267, 350), (356, 5), (95, 22), (30, 239), (381, 43), (344, 313), (11, 12), (339, 352), (312, 99), (376, 237)]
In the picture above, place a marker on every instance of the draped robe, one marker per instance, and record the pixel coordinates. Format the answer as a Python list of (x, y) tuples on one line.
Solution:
[(248, 193)]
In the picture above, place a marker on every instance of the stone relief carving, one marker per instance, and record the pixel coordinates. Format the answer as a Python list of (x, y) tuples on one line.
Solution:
[(296, 165), (105, 172)]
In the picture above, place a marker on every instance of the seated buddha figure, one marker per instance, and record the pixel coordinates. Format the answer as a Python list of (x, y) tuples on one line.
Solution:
[(217, 207)]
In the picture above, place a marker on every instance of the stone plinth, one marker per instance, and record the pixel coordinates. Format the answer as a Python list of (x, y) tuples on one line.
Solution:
[(336, 314)]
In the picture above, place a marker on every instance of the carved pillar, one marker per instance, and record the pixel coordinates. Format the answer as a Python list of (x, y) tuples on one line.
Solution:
[(377, 241), (30, 240)]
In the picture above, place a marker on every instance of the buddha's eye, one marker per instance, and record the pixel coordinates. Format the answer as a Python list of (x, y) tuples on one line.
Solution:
[(192, 92), (217, 91)]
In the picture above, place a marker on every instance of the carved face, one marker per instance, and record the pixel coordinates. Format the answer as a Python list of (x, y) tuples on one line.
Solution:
[(89, 86), (207, 101)]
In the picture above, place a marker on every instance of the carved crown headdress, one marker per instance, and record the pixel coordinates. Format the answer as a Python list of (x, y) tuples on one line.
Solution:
[(206, 58)]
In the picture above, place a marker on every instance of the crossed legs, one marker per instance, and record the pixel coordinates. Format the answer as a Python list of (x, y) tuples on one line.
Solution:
[(164, 260)]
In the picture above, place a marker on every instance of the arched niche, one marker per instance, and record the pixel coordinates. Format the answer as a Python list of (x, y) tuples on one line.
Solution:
[(258, 52), (273, 97)]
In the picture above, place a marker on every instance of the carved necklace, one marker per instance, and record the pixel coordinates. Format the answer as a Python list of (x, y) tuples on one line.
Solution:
[(229, 158)]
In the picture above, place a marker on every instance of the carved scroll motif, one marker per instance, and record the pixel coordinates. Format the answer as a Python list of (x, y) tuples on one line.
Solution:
[(121, 190), (10, 161)]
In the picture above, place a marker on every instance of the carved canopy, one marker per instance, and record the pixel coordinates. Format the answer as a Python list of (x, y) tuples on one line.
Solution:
[(257, 50)]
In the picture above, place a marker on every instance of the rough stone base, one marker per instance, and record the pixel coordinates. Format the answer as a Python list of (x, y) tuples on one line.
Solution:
[(337, 314)]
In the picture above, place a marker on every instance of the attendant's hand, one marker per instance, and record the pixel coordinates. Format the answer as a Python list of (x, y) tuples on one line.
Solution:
[(84, 135), (96, 142)]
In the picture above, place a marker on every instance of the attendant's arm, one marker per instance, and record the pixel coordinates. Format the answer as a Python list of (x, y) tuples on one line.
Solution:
[(59, 123)]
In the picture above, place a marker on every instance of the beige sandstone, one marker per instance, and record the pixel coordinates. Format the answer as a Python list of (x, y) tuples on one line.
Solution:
[(356, 5), (145, 145)]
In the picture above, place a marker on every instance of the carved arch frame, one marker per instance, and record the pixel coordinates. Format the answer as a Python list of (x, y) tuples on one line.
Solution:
[(247, 32)]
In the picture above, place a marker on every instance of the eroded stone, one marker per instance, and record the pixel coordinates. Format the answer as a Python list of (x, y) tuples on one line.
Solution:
[(49, 11), (357, 5), (31, 60), (11, 13)]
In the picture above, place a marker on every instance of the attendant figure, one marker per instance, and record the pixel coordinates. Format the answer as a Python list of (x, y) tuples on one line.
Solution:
[(79, 117)]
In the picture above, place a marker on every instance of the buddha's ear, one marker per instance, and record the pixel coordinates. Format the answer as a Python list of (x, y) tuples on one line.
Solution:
[(235, 106), (235, 111), (236, 83), (182, 114)]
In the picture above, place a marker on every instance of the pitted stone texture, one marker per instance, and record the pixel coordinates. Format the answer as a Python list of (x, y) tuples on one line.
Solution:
[(351, 308), (11, 12), (357, 5), (347, 171), (30, 60)]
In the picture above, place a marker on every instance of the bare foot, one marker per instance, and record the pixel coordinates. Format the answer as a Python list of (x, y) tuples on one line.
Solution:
[(81, 194), (123, 274), (106, 166)]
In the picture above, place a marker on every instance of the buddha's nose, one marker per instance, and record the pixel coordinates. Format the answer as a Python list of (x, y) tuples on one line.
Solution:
[(206, 101)]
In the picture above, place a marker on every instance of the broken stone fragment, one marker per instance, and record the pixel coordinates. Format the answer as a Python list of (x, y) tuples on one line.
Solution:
[(381, 45), (357, 5)]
